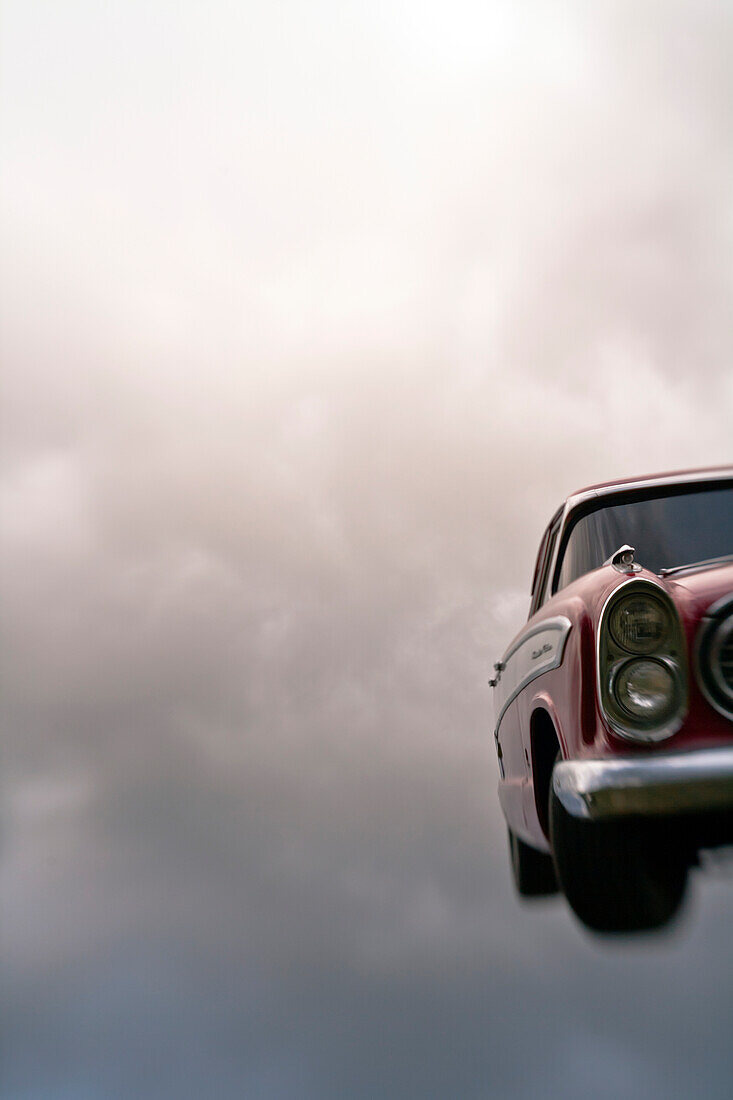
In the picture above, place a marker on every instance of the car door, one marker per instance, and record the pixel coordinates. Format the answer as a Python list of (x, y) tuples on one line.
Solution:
[(518, 666)]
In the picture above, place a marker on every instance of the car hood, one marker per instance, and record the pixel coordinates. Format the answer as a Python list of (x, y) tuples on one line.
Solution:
[(702, 586)]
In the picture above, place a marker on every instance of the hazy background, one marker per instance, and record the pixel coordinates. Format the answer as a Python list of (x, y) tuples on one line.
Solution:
[(312, 315)]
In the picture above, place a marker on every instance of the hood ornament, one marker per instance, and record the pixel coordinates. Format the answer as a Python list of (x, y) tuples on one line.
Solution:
[(623, 560)]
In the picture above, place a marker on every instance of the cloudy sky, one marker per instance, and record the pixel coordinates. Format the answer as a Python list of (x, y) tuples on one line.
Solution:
[(312, 314)]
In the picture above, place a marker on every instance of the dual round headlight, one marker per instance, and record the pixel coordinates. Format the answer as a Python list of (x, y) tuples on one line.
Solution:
[(646, 689), (639, 623), (641, 670)]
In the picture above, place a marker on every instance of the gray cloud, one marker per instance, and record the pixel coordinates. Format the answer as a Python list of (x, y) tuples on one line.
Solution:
[(311, 319)]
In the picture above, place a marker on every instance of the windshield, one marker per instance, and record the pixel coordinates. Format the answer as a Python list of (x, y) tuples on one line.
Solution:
[(675, 529)]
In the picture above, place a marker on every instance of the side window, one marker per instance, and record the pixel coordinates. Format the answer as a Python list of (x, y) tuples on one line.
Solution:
[(539, 566), (570, 566), (544, 558), (544, 583)]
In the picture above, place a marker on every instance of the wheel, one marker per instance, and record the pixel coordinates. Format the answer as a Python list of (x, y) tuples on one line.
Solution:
[(625, 876), (533, 872)]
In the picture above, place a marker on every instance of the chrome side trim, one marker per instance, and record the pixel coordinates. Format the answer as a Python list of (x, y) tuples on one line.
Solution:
[(538, 650), (660, 784)]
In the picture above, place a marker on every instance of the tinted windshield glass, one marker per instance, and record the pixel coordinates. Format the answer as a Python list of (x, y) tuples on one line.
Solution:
[(666, 531)]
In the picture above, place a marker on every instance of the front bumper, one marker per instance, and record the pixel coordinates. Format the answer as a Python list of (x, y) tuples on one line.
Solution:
[(662, 783)]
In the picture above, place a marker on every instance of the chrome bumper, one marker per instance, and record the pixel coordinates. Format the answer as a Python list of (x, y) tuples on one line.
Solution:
[(660, 784)]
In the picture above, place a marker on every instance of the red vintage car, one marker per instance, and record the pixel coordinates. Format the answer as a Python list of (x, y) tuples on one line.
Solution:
[(614, 703)]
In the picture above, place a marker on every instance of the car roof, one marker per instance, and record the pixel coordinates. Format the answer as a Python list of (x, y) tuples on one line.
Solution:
[(647, 481)]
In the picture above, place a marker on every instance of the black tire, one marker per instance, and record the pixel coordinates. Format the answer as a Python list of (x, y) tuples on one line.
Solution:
[(625, 876), (533, 872)]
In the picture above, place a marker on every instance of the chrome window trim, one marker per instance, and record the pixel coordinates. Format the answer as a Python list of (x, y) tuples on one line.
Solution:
[(725, 474), (559, 623)]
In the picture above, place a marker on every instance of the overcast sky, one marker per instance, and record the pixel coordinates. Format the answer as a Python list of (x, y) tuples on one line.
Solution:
[(312, 314)]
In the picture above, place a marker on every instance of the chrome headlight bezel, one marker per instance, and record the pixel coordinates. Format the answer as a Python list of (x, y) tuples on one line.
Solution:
[(715, 629), (612, 657)]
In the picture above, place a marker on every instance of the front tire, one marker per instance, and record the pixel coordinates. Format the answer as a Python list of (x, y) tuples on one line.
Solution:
[(533, 872), (622, 876)]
